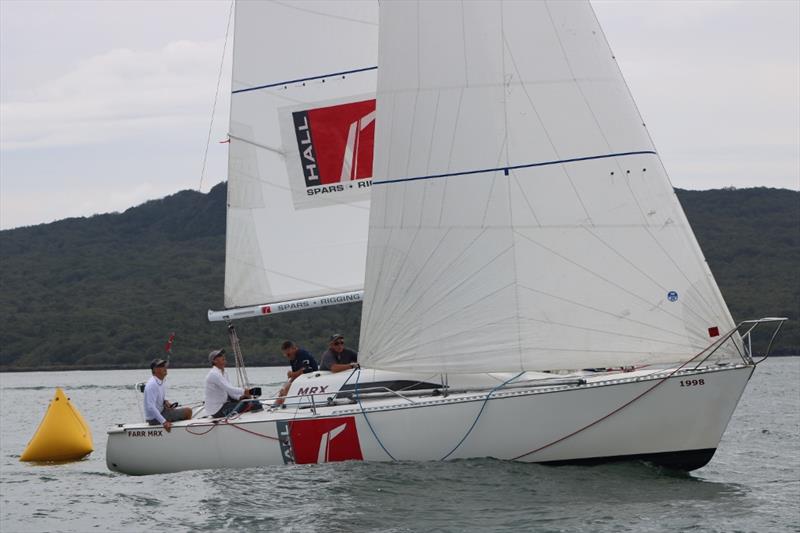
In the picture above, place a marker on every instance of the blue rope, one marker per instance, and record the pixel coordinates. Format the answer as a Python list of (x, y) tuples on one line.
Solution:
[(485, 401), (363, 412)]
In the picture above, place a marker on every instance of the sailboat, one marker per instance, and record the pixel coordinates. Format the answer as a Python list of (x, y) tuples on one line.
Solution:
[(532, 290)]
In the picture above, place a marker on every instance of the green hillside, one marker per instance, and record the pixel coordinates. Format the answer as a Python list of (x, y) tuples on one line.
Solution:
[(106, 291)]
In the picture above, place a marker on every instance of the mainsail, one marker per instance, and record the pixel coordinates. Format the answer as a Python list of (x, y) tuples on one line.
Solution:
[(300, 161), (521, 218)]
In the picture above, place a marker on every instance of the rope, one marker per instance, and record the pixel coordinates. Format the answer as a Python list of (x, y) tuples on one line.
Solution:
[(231, 424), (241, 371), (213, 425), (485, 401), (363, 412), (618, 409), (216, 96)]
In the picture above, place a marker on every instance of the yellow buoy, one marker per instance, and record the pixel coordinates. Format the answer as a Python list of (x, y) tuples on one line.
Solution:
[(63, 434)]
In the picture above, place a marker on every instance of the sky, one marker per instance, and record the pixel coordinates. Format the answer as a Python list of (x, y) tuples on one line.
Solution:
[(107, 104)]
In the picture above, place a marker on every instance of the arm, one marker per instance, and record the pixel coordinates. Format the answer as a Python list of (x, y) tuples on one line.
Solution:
[(340, 367), (294, 374), (230, 390)]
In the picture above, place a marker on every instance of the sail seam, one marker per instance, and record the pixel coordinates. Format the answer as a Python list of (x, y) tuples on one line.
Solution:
[(578, 87), (602, 311), (506, 91), (309, 78), (474, 304), (435, 281), (413, 281), (514, 167), (289, 5), (696, 313), (457, 287), (598, 276), (285, 275), (449, 155), (608, 332), (671, 259), (389, 294)]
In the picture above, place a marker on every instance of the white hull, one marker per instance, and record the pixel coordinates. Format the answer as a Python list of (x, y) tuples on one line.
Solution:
[(670, 417)]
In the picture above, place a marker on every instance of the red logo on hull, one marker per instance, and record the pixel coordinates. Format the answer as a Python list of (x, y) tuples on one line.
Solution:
[(325, 440)]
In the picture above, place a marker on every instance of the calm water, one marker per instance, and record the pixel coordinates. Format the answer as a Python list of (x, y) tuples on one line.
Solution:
[(752, 484)]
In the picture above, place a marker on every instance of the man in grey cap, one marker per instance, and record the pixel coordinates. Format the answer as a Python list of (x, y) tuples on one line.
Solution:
[(338, 358), (221, 397), (157, 410)]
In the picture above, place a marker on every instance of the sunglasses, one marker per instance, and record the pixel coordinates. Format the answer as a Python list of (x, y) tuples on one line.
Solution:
[(338, 343)]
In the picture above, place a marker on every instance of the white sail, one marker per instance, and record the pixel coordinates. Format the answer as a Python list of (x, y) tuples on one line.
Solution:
[(301, 134), (521, 218)]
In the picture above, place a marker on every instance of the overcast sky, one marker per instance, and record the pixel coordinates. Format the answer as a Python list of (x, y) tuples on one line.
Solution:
[(106, 104)]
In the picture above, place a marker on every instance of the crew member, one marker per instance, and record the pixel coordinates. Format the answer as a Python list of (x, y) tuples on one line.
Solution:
[(301, 363), (221, 397), (157, 410), (338, 358)]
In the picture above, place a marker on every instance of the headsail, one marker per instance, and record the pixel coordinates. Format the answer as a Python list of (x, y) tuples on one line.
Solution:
[(521, 218), (300, 163)]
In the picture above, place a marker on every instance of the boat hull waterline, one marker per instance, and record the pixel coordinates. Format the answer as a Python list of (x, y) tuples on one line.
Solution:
[(672, 418)]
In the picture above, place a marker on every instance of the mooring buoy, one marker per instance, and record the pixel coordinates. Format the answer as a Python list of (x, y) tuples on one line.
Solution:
[(63, 434)]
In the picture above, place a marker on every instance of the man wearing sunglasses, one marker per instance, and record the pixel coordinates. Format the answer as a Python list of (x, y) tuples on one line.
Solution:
[(338, 358)]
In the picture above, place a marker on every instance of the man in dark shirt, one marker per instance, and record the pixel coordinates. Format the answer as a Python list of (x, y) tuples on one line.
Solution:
[(338, 358), (301, 362)]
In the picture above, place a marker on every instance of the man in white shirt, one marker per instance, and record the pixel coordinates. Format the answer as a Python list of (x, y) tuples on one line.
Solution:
[(157, 410), (221, 397)]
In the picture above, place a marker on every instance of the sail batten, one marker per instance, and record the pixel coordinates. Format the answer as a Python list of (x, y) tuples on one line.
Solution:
[(521, 218)]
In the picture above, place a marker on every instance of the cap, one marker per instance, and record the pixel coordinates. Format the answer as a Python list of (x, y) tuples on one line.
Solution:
[(213, 355), (336, 336), (156, 363)]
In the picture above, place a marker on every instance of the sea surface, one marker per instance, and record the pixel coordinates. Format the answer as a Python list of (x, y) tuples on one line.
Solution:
[(751, 484)]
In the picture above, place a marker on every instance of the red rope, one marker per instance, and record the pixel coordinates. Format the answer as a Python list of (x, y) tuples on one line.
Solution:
[(618, 409), (253, 432), (203, 433), (215, 424)]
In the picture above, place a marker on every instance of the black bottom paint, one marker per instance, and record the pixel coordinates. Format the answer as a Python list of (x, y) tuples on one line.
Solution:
[(687, 460)]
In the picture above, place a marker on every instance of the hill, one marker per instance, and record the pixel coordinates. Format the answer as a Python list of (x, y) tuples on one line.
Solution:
[(106, 291)]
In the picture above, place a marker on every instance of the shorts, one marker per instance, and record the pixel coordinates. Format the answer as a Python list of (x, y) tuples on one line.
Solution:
[(172, 415)]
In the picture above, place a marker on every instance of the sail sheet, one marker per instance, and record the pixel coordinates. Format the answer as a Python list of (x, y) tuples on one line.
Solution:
[(301, 137), (521, 218)]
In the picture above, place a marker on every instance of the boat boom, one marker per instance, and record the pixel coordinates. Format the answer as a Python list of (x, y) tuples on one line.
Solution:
[(285, 306)]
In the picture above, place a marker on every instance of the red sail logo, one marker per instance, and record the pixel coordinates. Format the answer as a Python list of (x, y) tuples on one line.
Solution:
[(336, 142), (324, 440)]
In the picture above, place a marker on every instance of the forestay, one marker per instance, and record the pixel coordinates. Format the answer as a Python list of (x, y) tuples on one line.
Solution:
[(521, 218), (300, 163)]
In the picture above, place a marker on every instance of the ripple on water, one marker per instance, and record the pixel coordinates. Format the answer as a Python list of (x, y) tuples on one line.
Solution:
[(752, 483)]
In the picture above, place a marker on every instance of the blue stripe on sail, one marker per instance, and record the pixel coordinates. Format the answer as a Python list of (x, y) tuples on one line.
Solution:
[(289, 82), (506, 169)]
